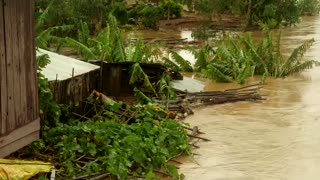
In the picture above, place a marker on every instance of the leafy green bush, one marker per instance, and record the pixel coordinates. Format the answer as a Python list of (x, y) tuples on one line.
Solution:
[(119, 11), (152, 16), (171, 8), (122, 150), (49, 110), (135, 14), (203, 31), (309, 7)]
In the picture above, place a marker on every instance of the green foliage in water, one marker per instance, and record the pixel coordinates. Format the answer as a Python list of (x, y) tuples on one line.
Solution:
[(203, 31), (183, 63), (239, 58)]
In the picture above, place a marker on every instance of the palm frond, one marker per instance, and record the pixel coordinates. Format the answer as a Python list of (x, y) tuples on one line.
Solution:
[(184, 64), (223, 53), (141, 96), (83, 33), (259, 63), (165, 90), (297, 68), (138, 52), (214, 73), (296, 57), (43, 17), (138, 75), (202, 58), (42, 61), (170, 64), (117, 51), (246, 71), (85, 51)]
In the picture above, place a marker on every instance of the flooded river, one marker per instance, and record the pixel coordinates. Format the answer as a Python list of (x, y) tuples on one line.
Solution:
[(277, 139)]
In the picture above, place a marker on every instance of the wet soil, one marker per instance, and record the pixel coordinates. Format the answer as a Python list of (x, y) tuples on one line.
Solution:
[(191, 20)]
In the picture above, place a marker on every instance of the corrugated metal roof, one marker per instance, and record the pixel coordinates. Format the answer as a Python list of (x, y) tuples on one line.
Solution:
[(62, 66), (188, 84)]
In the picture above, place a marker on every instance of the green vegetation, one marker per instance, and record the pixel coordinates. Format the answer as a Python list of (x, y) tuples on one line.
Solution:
[(117, 141), (151, 17), (49, 110), (309, 7), (95, 13), (131, 142), (238, 59), (107, 144), (171, 8), (256, 12)]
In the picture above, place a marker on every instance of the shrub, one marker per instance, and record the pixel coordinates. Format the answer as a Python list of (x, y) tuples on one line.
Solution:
[(309, 7), (152, 16), (171, 8), (120, 12)]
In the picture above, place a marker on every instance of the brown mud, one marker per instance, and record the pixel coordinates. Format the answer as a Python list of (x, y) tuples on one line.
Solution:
[(190, 20)]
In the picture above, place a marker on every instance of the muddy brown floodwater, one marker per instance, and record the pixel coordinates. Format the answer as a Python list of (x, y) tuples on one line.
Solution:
[(278, 139)]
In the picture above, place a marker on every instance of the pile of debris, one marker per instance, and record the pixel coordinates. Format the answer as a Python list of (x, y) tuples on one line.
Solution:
[(185, 101), (246, 93)]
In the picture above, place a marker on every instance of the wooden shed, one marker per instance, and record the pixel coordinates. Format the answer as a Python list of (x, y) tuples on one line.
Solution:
[(19, 112), (71, 80), (116, 77)]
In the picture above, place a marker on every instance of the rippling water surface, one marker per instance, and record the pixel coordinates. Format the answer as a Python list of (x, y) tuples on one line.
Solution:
[(278, 139)]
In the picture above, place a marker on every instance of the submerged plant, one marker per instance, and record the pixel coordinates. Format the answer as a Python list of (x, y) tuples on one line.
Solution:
[(240, 58), (295, 63)]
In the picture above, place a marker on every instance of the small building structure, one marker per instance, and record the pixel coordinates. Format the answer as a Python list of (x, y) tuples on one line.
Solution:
[(71, 80), (116, 77)]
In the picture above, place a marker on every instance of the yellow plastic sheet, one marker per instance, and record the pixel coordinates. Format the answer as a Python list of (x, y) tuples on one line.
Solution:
[(19, 169)]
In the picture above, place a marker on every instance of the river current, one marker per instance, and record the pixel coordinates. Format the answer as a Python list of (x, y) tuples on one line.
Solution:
[(277, 139)]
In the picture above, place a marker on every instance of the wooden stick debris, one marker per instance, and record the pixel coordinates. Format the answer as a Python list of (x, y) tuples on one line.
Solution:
[(197, 137)]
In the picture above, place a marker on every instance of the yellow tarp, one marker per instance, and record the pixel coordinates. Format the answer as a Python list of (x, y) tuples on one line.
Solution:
[(19, 169)]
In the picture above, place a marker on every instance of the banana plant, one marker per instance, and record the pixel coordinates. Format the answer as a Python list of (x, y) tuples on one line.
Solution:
[(107, 46), (45, 36)]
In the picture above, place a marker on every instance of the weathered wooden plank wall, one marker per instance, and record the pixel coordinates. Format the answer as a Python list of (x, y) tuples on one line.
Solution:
[(19, 114), (75, 90), (3, 75)]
